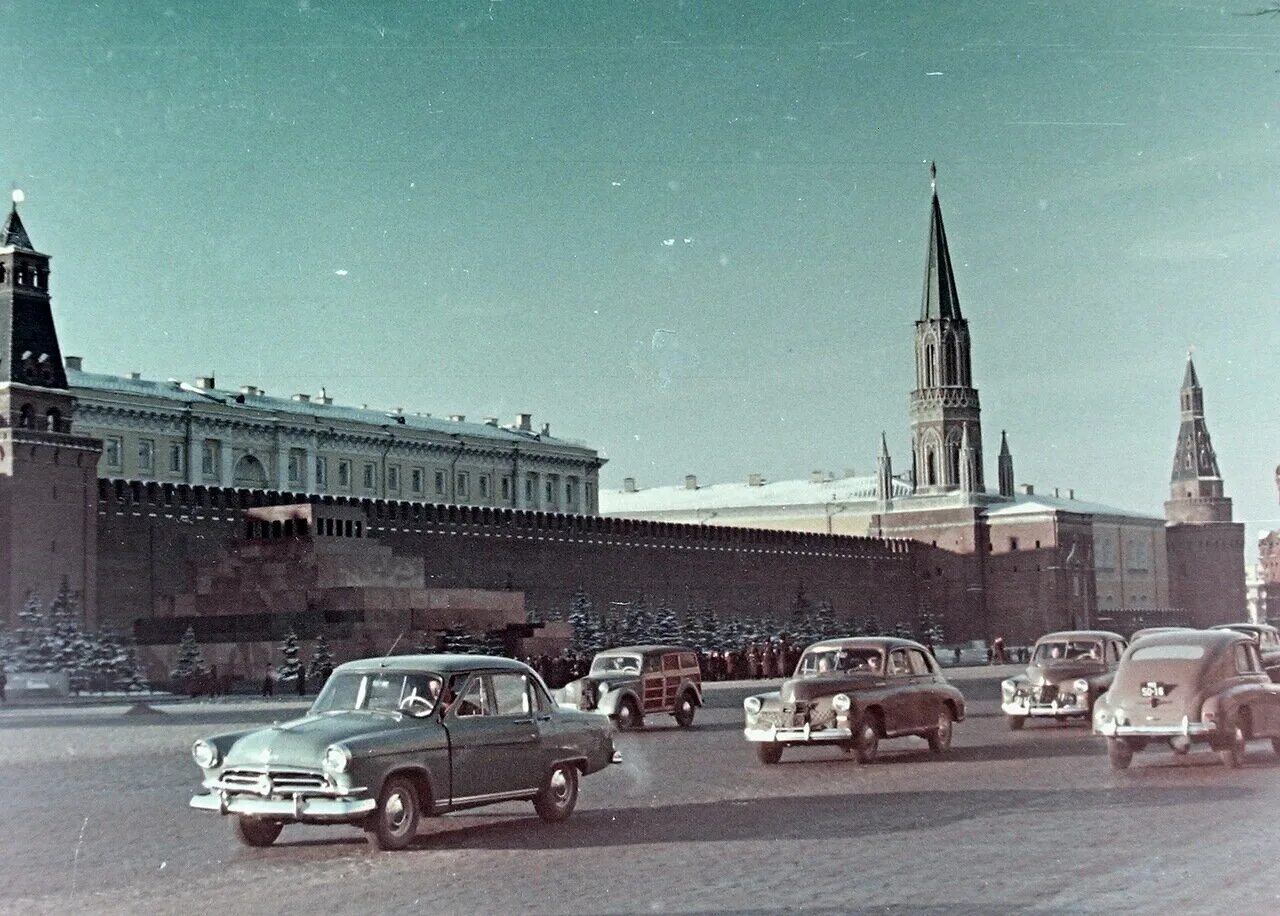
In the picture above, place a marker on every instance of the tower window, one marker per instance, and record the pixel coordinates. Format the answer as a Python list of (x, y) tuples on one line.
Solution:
[(53, 420), (27, 417), (950, 348), (930, 366)]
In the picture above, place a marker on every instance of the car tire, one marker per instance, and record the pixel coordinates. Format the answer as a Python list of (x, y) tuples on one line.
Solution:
[(1119, 753), (867, 736), (559, 795), (769, 752), (1232, 753), (1016, 723), (1275, 745), (685, 708), (940, 738), (394, 822), (628, 715), (255, 832)]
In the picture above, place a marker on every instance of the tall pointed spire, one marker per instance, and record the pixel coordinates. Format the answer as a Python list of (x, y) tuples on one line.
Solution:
[(1196, 493), (884, 474), (1005, 469), (1189, 378), (940, 299), (14, 234)]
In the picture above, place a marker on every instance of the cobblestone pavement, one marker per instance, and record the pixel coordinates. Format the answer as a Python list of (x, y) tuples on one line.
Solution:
[(93, 818)]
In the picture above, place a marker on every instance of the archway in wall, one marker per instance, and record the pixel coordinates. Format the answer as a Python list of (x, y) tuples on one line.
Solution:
[(250, 473)]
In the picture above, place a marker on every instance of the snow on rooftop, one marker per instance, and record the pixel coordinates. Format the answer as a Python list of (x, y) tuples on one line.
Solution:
[(1040, 504), (734, 495)]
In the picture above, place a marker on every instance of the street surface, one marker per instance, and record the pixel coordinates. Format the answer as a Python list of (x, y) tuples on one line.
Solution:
[(94, 819)]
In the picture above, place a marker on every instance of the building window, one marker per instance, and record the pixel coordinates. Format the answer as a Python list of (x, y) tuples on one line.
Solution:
[(146, 454), (322, 472), (175, 458), (369, 477), (590, 495), (553, 490), (1013, 544), (506, 489), (483, 483), (296, 459), (393, 478), (463, 485), (112, 449), (570, 491), (344, 473), (415, 480), (439, 483), (209, 457), (531, 491)]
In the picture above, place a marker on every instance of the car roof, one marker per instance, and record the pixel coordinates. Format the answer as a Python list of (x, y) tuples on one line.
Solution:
[(1210, 639), (1246, 627), (644, 650), (442, 664), (866, 642), (1080, 634)]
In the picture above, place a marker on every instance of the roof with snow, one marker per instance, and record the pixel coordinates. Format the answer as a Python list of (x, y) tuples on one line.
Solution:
[(180, 394), (1035, 504), (745, 495)]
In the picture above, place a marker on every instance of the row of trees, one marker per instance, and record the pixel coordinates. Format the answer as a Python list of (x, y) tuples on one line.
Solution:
[(55, 641), (638, 622), (190, 667)]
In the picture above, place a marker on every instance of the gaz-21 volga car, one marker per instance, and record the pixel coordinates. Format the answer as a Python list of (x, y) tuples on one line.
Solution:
[(631, 682), (1067, 673), (390, 740), (1204, 686), (853, 693)]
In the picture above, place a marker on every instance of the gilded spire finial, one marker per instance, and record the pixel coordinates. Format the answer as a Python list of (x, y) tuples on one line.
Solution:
[(933, 176)]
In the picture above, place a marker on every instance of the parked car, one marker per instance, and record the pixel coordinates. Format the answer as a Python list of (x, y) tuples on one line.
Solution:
[(1069, 670), (854, 693), (1202, 686), (391, 740), (1152, 631), (631, 682), (1268, 639)]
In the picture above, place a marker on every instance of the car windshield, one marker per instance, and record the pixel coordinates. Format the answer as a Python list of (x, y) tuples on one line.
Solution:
[(377, 691), (1068, 649), (828, 660), (604, 664)]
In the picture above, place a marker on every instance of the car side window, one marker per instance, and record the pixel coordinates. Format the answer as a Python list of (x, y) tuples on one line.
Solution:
[(473, 701), (1245, 659), (919, 664), (688, 660), (538, 700), (898, 664), (671, 663), (509, 695), (1113, 651), (652, 663)]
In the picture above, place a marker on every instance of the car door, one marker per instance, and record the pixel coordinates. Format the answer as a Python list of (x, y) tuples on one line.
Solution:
[(898, 698), (652, 683), (492, 735), (925, 703), (670, 679)]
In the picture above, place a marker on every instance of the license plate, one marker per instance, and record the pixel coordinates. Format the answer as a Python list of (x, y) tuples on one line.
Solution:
[(1154, 689)]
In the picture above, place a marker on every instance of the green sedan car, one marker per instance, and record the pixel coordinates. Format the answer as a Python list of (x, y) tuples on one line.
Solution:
[(391, 740)]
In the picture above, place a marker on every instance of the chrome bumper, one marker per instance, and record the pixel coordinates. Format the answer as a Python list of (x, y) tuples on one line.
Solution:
[(300, 807), (1185, 729), (1043, 709), (616, 758), (797, 735)]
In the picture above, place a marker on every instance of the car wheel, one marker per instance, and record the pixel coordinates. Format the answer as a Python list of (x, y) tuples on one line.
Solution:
[(940, 737), (1016, 723), (867, 734), (1232, 752), (254, 831), (394, 823), (628, 716), (1275, 745), (684, 710), (768, 752), (559, 796), (1119, 753)]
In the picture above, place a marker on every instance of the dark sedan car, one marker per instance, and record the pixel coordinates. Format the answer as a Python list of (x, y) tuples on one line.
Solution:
[(1069, 670), (1204, 686), (1267, 638), (390, 740), (853, 693)]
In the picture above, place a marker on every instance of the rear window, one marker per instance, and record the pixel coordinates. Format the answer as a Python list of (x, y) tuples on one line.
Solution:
[(1157, 653)]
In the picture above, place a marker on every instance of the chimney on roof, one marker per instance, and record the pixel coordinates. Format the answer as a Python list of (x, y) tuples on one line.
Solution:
[(690, 482), (323, 397), (628, 485), (250, 389), (74, 362), (546, 429), (817, 476), (490, 421), (1055, 493), (458, 417), (524, 421), (304, 398), (135, 375), (755, 480), (1027, 489), (205, 382), (850, 472), (1071, 493)]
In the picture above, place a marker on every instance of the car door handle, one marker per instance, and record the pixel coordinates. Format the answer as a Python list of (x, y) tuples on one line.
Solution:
[(546, 718), (522, 722)]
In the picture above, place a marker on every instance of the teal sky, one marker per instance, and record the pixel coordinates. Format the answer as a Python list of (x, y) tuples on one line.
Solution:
[(690, 234)]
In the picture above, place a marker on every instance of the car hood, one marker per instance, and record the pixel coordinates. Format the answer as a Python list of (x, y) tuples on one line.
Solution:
[(302, 742), (812, 688), (1055, 672)]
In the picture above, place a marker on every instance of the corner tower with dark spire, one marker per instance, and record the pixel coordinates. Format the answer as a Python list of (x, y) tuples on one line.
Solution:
[(1195, 487), (946, 432)]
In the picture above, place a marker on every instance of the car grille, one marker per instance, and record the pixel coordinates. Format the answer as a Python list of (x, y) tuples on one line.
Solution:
[(768, 719), (281, 781), (1047, 694)]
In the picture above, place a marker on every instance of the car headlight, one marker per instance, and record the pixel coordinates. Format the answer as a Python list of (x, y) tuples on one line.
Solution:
[(1080, 685), (604, 686), (204, 754), (752, 705), (841, 702), (336, 758), (1008, 687)]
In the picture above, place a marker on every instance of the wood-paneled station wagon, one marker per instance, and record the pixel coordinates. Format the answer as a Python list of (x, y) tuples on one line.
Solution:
[(852, 694), (631, 682), (1179, 689), (1067, 674), (390, 740)]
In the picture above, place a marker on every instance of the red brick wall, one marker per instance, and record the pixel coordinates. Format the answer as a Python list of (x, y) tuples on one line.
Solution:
[(1206, 571)]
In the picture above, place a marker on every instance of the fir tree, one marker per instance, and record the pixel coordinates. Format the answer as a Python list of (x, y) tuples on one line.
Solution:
[(36, 649), (929, 627), (493, 643), (902, 631), (290, 663), (824, 622), (458, 640), (581, 621), (666, 627), (321, 665), (133, 676), (190, 661), (872, 626)]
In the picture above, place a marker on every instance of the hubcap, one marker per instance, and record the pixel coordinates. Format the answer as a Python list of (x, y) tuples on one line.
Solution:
[(397, 812), (624, 716), (559, 786), (868, 737), (944, 727)]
